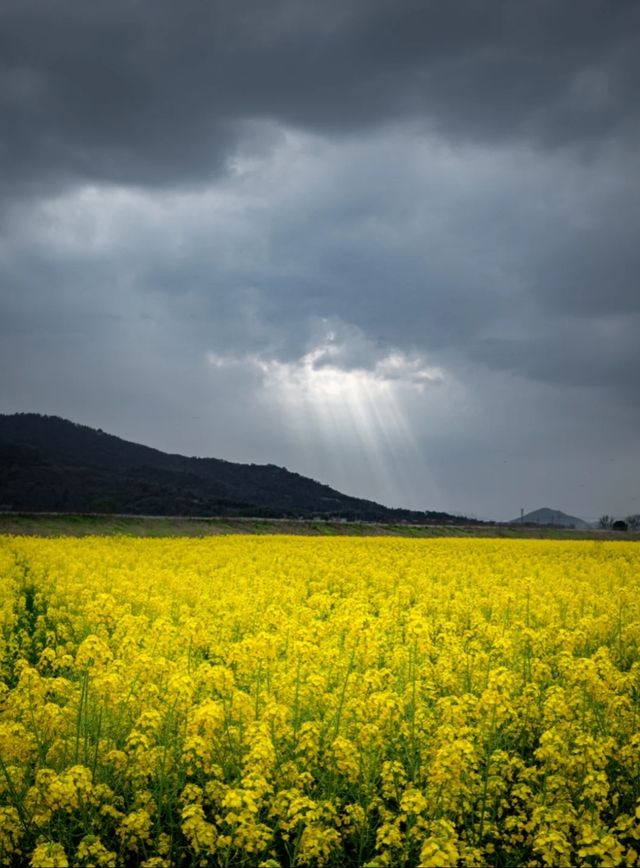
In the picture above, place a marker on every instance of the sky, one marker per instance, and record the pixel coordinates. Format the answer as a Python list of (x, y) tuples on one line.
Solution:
[(393, 245)]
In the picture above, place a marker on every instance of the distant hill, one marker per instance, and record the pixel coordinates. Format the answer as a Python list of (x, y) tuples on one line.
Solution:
[(548, 516), (51, 464)]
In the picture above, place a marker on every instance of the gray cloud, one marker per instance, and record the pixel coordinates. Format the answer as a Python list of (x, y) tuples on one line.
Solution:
[(393, 245), (155, 92)]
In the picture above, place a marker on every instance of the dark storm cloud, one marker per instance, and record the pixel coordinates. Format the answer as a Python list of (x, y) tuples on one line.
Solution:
[(156, 92), (594, 354)]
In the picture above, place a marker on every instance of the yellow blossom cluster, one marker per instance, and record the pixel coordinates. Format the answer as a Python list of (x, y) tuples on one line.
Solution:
[(291, 701)]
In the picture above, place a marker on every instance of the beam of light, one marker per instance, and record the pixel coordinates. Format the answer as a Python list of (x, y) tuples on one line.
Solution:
[(351, 424)]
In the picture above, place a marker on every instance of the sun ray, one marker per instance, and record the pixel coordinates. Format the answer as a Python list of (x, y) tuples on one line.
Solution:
[(353, 416)]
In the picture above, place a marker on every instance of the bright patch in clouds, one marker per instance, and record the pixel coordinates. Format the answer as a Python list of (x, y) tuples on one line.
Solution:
[(349, 414)]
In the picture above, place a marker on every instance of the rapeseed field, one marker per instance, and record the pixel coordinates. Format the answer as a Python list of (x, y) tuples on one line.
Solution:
[(288, 701)]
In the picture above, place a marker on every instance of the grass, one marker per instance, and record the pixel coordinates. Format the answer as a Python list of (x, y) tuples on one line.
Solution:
[(51, 524)]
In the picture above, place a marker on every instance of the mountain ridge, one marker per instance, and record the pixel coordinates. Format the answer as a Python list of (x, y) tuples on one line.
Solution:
[(51, 463)]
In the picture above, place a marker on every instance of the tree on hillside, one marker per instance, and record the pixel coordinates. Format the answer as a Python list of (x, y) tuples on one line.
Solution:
[(605, 522)]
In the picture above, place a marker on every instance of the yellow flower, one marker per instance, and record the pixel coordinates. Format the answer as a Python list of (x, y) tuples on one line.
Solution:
[(49, 855), (415, 701), (135, 829), (92, 852)]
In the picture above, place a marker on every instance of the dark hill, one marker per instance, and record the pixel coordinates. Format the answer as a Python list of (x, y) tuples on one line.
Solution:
[(553, 517), (50, 464)]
